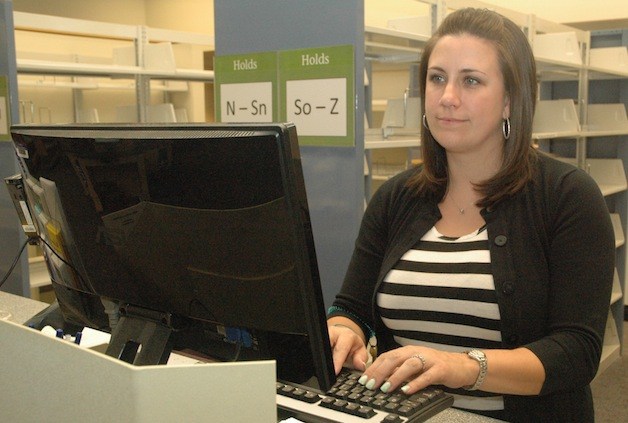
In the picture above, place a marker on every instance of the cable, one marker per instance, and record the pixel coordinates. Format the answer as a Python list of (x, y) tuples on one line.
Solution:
[(34, 240), (62, 259), (6, 277), (238, 350)]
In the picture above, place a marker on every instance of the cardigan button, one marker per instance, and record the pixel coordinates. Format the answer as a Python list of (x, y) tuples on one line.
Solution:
[(500, 240), (508, 288)]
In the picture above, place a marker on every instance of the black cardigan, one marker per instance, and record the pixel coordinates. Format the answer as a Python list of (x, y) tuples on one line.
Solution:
[(552, 256)]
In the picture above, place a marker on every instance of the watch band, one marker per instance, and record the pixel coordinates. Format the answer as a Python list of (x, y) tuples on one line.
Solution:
[(480, 357)]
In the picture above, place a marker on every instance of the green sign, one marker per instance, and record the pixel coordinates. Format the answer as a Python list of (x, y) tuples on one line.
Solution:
[(246, 88), (5, 116), (312, 88), (317, 86)]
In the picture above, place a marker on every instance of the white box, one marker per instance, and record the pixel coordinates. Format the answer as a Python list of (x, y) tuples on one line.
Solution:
[(607, 117), (555, 116), (402, 113), (558, 46), (51, 380), (611, 58)]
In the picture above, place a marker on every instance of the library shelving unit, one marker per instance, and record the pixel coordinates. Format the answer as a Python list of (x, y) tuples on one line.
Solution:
[(391, 123), (88, 68), (581, 117)]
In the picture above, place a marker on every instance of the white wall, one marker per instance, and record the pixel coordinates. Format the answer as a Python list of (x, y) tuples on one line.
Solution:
[(377, 12), (198, 15), (566, 11), (131, 12), (187, 15)]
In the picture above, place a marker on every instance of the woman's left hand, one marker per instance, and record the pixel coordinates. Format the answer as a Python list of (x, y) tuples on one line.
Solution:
[(414, 368)]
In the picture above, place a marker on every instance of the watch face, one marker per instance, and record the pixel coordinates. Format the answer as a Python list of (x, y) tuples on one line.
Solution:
[(478, 355)]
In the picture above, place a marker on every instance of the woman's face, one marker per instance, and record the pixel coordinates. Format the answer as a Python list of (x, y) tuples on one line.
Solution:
[(465, 99)]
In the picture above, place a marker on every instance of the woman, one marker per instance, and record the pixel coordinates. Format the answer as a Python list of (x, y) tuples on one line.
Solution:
[(488, 269)]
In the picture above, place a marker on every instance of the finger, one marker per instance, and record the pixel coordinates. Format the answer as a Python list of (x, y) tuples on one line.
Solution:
[(378, 372), (343, 351), (416, 384), (360, 360), (412, 369), (339, 356)]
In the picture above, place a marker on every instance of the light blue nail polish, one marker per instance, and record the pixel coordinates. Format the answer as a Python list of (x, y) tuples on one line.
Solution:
[(370, 384), (405, 388), (363, 379), (385, 387)]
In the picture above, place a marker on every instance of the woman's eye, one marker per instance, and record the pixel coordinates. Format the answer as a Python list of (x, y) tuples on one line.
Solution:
[(471, 81), (436, 78)]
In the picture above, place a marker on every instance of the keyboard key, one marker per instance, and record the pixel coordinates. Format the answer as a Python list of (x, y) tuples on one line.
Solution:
[(406, 411), (352, 408), (358, 389), (366, 400), (378, 403), (365, 412), (391, 407), (286, 390), (342, 393), (392, 418), (354, 396), (327, 402), (339, 404), (311, 397), (297, 392), (396, 398)]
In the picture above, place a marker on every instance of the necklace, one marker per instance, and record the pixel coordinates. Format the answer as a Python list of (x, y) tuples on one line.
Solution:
[(460, 209)]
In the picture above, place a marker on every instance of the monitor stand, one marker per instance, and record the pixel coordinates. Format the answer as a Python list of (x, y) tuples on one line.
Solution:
[(141, 337)]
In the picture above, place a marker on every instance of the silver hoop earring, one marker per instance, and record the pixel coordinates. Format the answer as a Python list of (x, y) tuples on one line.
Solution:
[(505, 128), (425, 122)]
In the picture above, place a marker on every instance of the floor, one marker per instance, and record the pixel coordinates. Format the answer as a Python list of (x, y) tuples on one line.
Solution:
[(610, 390)]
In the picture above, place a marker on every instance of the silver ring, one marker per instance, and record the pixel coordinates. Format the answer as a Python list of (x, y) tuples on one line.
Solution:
[(420, 357)]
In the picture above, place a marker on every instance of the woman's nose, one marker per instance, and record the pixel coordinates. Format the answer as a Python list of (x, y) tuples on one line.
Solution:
[(450, 97)]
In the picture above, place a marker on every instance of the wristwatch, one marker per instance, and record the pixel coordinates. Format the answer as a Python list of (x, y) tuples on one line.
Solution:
[(480, 357)]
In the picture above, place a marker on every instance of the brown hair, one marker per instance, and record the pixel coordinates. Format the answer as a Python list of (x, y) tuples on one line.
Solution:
[(519, 71)]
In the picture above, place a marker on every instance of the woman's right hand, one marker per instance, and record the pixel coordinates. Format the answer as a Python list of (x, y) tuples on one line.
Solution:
[(348, 345)]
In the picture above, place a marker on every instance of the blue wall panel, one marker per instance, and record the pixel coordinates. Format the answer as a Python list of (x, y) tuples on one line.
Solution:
[(334, 176)]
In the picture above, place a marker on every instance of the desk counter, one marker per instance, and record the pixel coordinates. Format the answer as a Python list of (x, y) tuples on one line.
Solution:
[(21, 309)]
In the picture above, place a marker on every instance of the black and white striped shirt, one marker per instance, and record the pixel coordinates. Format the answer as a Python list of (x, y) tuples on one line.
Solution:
[(441, 295)]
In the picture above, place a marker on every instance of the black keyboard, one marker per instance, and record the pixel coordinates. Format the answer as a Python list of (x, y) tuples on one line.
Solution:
[(348, 401)]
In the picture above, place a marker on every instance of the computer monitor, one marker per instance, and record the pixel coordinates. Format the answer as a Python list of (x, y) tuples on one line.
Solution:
[(199, 233)]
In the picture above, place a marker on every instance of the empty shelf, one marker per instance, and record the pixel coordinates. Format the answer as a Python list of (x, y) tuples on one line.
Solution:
[(607, 117), (555, 118)]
